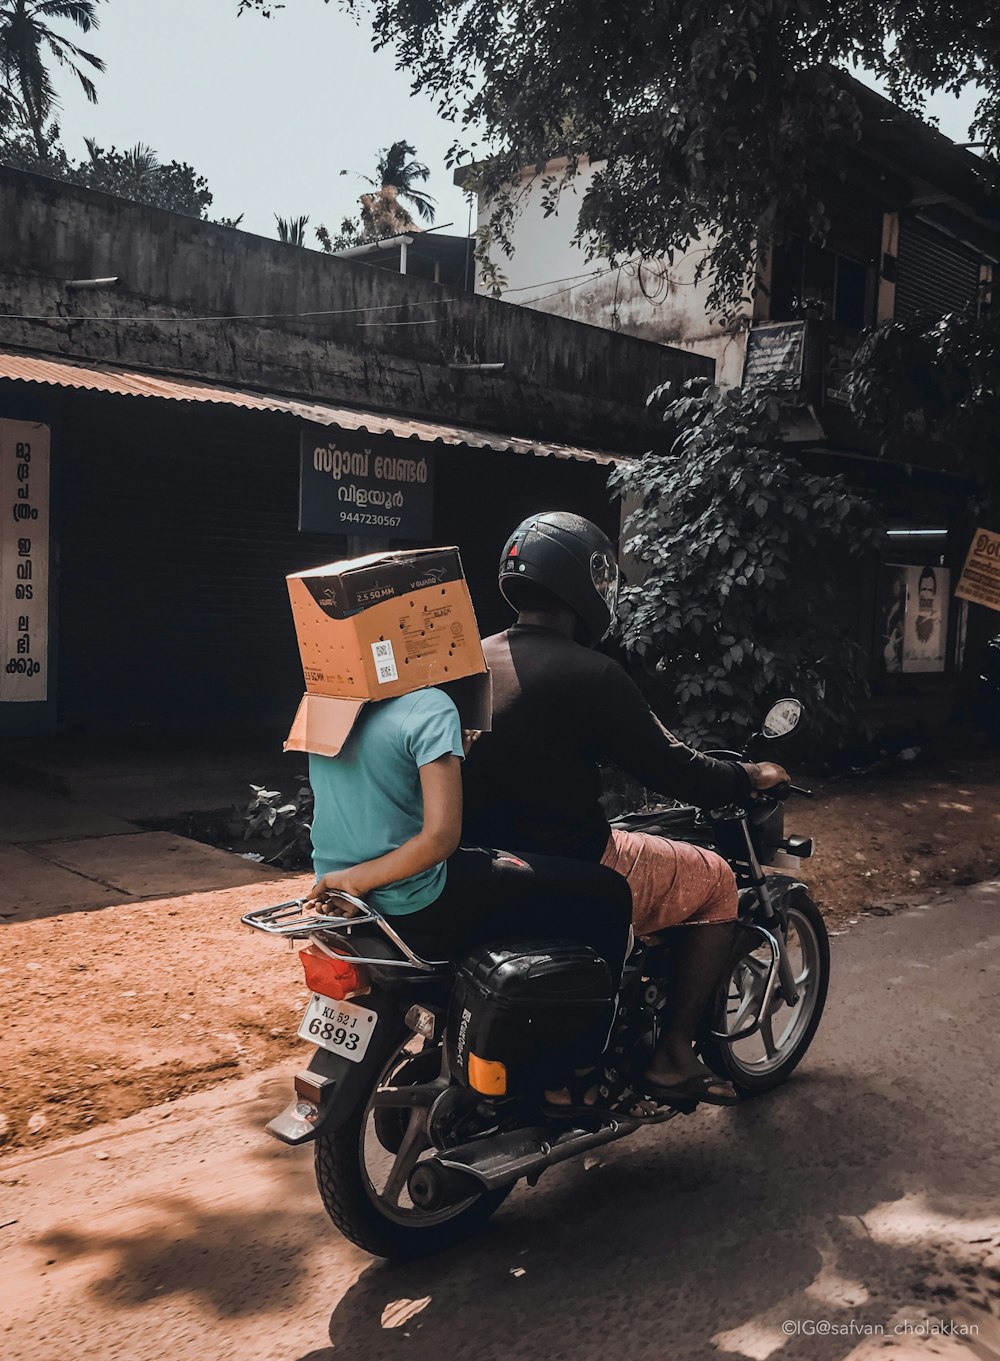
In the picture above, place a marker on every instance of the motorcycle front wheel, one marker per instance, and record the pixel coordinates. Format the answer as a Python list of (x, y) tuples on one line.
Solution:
[(363, 1167), (767, 1059)]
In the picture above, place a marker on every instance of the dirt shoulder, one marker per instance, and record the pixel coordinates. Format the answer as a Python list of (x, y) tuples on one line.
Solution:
[(902, 835), (107, 1012)]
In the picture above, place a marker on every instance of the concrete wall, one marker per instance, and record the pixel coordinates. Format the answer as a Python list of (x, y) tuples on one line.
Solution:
[(560, 381), (654, 301)]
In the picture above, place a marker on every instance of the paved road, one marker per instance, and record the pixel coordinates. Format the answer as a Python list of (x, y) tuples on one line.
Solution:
[(864, 1195)]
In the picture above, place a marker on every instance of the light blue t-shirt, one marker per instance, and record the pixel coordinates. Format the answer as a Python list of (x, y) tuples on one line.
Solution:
[(368, 798)]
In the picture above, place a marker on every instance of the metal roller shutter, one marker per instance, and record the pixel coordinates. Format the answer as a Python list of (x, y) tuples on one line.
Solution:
[(178, 524), (177, 528), (934, 273)]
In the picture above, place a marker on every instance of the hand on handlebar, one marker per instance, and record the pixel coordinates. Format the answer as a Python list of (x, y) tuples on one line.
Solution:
[(767, 774)]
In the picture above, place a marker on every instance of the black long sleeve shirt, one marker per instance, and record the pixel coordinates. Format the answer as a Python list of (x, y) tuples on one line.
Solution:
[(533, 783)]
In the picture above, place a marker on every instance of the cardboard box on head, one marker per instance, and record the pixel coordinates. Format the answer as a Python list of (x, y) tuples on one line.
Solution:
[(379, 626)]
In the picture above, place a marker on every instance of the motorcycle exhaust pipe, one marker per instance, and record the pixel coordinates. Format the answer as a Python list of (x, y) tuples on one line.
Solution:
[(455, 1174), (433, 1186)]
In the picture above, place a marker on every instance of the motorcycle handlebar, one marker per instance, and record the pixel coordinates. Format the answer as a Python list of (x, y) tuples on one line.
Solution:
[(781, 791)]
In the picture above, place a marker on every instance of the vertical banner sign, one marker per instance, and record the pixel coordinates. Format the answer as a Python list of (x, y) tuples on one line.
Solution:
[(24, 561), (382, 488)]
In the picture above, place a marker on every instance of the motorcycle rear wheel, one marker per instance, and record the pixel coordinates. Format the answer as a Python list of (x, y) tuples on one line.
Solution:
[(361, 1171), (788, 1031)]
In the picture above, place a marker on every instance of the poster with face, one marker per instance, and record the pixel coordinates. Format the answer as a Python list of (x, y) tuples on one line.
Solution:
[(913, 618), (925, 623)]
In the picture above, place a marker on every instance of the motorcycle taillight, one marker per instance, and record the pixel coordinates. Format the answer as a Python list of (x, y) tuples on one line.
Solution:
[(333, 975)]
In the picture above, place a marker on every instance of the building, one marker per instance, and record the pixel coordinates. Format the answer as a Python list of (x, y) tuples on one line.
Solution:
[(914, 229), (189, 412), (430, 254)]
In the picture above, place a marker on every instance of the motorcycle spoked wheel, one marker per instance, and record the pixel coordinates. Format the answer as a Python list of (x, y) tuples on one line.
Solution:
[(362, 1182), (764, 1061)]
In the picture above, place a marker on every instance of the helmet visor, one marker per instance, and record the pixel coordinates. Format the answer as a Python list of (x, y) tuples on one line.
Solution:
[(604, 575)]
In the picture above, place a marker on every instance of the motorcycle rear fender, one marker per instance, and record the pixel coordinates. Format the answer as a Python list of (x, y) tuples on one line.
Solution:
[(343, 1083)]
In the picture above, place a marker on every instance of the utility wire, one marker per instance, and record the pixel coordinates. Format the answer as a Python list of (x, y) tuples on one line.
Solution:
[(240, 316), (580, 280)]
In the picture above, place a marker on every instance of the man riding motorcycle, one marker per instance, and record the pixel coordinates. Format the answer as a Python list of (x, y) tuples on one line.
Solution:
[(533, 782)]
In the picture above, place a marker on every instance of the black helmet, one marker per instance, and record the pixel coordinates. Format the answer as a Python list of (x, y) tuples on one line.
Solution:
[(570, 558)]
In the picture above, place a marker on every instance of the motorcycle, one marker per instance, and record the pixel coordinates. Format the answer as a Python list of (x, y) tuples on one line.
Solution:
[(423, 1098)]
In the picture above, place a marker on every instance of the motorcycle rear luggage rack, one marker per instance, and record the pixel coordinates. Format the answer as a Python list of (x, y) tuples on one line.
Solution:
[(291, 921)]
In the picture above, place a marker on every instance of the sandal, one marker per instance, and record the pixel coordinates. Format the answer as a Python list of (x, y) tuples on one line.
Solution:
[(580, 1086), (704, 1087)]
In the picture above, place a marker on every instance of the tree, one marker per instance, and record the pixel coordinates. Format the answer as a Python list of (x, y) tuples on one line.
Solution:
[(932, 384), (384, 212), (728, 616), (18, 150), (136, 173), (292, 230), (397, 178), (351, 234), (936, 380), (26, 36), (711, 119)]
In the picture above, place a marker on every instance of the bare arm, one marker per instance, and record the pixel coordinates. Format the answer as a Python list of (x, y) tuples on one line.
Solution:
[(441, 786)]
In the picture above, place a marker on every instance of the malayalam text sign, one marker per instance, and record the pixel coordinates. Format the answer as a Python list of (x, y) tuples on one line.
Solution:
[(378, 489), (980, 579), (24, 561), (774, 356)]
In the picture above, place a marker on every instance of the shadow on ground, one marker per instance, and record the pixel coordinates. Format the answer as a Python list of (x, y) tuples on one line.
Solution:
[(668, 1246)]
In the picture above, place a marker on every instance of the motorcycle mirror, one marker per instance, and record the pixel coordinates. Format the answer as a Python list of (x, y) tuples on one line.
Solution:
[(782, 718)]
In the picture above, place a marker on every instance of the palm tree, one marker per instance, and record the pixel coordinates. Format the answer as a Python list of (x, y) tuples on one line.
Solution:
[(384, 212), (25, 37), (292, 229), (128, 173), (394, 171)]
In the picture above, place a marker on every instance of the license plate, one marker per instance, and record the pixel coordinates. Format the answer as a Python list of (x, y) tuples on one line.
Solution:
[(338, 1026)]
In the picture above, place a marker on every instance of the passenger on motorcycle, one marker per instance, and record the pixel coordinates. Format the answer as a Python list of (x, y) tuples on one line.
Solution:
[(560, 710), (386, 828)]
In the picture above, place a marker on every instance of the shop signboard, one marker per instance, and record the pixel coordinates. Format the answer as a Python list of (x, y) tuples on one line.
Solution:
[(914, 618), (366, 487), (775, 356), (24, 561), (980, 579)]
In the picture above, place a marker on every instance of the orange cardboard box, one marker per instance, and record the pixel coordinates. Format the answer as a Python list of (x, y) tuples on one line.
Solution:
[(379, 626)]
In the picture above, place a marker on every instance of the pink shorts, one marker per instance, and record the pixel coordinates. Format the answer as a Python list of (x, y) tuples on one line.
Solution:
[(672, 882)]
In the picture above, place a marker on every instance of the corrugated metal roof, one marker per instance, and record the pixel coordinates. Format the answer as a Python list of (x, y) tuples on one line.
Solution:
[(129, 383)]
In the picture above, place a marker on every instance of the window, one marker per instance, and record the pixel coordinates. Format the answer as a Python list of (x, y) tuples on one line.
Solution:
[(809, 281)]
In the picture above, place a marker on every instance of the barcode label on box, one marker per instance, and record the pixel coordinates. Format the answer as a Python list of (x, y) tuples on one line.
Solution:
[(385, 662)]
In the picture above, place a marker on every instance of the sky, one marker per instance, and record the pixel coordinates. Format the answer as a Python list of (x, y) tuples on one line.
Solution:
[(268, 110), (271, 110)]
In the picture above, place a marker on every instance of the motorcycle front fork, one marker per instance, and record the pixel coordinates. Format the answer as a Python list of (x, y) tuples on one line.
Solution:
[(772, 919)]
